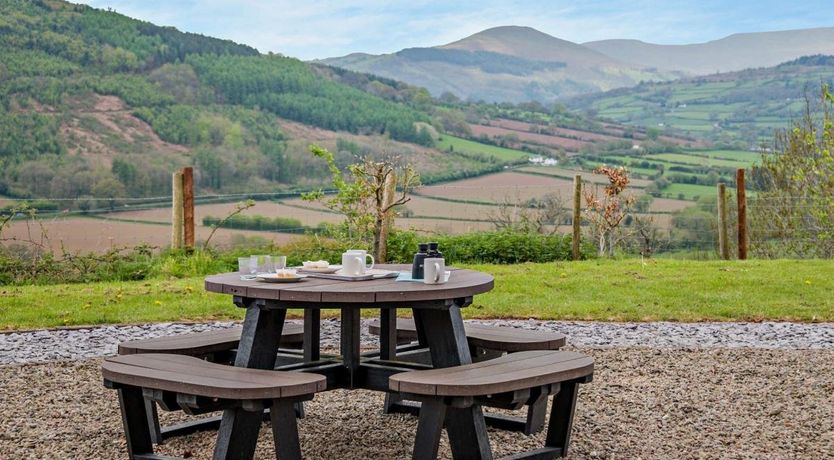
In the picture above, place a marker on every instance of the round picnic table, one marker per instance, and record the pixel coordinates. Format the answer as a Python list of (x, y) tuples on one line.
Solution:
[(436, 311)]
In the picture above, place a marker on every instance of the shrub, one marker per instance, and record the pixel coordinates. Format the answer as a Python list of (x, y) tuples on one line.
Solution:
[(258, 222), (490, 247)]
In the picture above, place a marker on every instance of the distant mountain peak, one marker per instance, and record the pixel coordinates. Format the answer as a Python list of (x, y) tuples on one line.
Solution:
[(529, 43), (510, 31)]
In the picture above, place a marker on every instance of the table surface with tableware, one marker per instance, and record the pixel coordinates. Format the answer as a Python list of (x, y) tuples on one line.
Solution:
[(435, 302)]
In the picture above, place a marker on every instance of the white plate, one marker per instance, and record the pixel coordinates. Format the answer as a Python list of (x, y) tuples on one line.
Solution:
[(274, 278)]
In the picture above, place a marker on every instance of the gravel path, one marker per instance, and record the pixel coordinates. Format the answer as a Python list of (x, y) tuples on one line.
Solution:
[(42, 346), (663, 403)]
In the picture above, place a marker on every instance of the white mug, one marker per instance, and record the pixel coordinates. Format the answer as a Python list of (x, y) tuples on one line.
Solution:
[(434, 271), (353, 264), (364, 255)]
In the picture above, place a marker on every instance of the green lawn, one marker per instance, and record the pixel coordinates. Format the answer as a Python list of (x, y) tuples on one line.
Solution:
[(462, 145), (621, 290)]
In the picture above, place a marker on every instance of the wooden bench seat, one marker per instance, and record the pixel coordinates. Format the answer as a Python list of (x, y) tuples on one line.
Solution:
[(203, 344), (214, 346), (509, 382), (493, 338), (194, 384)]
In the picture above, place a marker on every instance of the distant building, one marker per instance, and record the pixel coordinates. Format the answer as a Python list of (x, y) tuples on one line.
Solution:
[(540, 160)]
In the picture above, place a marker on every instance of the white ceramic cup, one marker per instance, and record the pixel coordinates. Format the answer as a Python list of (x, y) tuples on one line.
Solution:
[(364, 255), (434, 271), (353, 264)]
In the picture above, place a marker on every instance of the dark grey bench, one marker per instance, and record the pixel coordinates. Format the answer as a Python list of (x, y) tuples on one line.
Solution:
[(206, 344), (214, 346), (507, 382), (485, 342), (178, 382), (483, 339)]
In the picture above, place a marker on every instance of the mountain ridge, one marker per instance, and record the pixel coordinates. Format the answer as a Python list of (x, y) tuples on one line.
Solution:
[(502, 64), (734, 52), (588, 67)]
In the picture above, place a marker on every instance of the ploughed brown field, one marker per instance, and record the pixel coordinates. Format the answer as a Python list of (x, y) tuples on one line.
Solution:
[(587, 176), (519, 187), (82, 234), (570, 145), (569, 139), (308, 217)]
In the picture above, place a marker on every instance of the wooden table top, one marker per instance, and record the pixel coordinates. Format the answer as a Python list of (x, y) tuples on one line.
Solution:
[(462, 283)]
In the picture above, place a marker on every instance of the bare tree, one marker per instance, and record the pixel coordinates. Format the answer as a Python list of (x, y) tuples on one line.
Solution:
[(543, 215), (381, 178), (607, 208), (367, 194)]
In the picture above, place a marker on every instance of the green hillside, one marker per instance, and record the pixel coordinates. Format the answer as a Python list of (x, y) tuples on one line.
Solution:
[(94, 103), (743, 107)]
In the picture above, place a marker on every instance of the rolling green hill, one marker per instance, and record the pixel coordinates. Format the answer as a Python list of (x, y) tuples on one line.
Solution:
[(503, 64), (93, 103), (743, 106)]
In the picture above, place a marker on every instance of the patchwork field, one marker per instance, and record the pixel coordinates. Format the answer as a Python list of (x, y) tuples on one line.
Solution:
[(512, 186), (454, 207), (82, 234)]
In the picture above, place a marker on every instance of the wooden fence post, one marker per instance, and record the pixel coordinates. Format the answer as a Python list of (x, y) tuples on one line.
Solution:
[(388, 194), (723, 242), (176, 210), (742, 215), (577, 214), (188, 207)]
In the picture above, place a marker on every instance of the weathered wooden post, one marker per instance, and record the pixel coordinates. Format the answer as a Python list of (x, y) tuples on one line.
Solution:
[(723, 242), (188, 207), (176, 210), (742, 215), (577, 214), (388, 192)]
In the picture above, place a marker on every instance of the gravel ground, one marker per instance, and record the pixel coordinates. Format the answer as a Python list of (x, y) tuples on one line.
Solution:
[(664, 403), (42, 346)]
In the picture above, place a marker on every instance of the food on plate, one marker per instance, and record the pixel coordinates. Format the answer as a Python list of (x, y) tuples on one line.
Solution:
[(316, 264)]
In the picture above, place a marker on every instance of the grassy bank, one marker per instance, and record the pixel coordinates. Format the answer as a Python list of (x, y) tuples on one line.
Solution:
[(623, 290)]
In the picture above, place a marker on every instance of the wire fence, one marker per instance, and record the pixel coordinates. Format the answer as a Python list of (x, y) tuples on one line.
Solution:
[(666, 227)]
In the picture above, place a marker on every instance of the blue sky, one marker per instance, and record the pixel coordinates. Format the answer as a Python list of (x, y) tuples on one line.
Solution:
[(324, 28)]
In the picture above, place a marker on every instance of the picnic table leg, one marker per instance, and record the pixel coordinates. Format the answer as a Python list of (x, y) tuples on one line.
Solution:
[(388, 333), (312, 335), (258, 346), (388, 348), (350, 346), (447, 342)]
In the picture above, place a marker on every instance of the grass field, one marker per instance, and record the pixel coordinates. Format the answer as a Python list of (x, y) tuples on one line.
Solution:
[(693, 160), (737, 155), (607, 290), (457, 144), (689, 191)]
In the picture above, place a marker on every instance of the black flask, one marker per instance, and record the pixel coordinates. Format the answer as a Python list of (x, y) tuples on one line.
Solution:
[(419, 257), (434, 252)]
